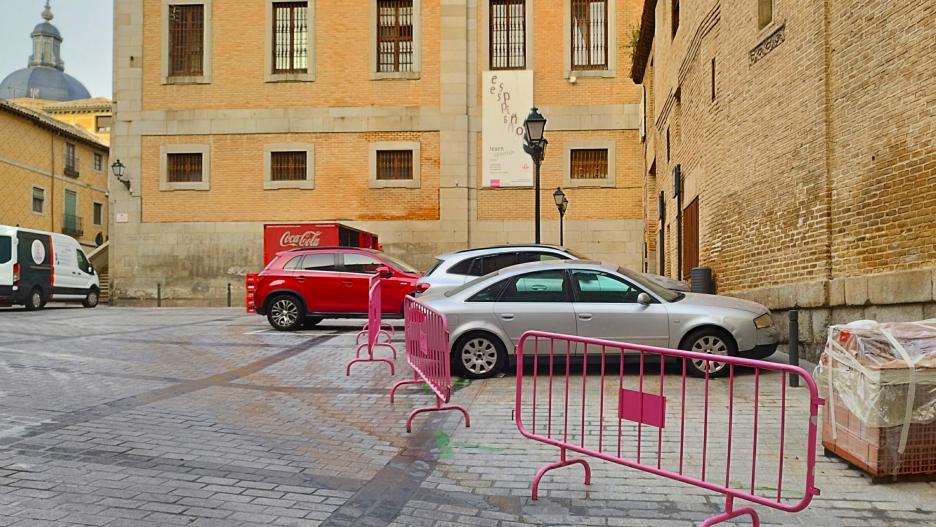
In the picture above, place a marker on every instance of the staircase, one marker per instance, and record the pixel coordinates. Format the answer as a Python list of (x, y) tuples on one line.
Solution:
[(104, 295)]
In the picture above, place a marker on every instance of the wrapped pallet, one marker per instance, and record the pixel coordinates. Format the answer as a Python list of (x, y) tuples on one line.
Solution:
[(879, 380)]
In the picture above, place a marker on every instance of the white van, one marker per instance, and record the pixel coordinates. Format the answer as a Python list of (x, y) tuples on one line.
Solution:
[(37, 267)]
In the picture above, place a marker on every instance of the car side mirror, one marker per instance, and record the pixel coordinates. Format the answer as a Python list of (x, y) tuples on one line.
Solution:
[(384, 272), (644, 299)]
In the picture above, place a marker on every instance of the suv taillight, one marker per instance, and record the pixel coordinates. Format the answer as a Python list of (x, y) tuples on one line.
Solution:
[(16, 274)]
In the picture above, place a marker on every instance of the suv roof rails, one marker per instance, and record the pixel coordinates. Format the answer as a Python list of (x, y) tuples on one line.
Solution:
[(332, 248), (512, 246)]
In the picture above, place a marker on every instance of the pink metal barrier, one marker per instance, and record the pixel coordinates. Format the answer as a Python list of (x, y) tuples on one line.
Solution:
[(734, 439), (428, 353), (375, 331)]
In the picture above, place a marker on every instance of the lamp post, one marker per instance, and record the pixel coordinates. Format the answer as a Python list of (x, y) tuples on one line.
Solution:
[(562, 203), (534, 126), (118, 169)]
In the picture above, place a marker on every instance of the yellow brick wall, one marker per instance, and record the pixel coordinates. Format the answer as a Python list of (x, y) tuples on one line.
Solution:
[(27, 155), (342, 72), (621, 202), (341, 181), (549, 83), (86, 120)]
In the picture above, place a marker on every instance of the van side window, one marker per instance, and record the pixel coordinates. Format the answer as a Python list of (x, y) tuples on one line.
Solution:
[(6, 249), (83, 263)]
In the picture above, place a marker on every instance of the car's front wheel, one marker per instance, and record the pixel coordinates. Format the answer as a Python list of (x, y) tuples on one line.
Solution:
[(480, 355), (285, 313), (91, 300), (711, 341)]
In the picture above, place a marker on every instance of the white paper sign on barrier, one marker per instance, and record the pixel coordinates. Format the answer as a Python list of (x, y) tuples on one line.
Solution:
[(506, 101)]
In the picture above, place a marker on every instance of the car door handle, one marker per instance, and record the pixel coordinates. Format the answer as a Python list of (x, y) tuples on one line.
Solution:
[(507, 316), (300, 279), (348, 283), (585, 316)]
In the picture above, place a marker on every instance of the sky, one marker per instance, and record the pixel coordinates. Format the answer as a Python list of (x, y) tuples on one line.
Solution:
[(87, 32)]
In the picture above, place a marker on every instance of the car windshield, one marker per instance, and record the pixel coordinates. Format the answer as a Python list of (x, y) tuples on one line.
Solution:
[(470, 283), (646, 283), (400, 264)]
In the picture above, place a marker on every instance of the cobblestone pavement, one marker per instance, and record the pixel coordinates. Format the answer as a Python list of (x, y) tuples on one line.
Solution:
[(206, 417)]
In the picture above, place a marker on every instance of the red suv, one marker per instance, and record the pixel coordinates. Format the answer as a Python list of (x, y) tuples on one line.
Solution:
[(303, 286)]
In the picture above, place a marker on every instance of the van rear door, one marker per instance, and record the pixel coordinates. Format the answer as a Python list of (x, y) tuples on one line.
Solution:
[(34, 254)]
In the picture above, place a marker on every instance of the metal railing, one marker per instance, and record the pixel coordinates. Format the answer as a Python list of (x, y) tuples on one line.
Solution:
[(72, 225)]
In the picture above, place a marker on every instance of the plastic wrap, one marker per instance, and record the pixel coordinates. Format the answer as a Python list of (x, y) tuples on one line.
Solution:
[(882, 373)]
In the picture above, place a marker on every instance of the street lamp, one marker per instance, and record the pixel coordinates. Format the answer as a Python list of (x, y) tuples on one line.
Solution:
[(562, 203), (534, 126), (118, 169)]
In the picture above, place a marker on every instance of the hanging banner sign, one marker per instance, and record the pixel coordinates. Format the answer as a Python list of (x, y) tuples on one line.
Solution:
[(506, 101)]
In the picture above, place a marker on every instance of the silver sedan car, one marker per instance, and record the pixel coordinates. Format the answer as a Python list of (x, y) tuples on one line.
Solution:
[(488, 315)]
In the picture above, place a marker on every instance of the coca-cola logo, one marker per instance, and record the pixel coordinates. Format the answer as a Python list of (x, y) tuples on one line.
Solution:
[(306, 239)]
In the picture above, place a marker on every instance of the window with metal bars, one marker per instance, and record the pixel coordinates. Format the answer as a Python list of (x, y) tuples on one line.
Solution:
[(589, 163), (184, 168), (290, 37), (394, 35), (186, 40), (508, 34), (589, 34), (288, 166), (394, 165), (98, 162), (71, 160)]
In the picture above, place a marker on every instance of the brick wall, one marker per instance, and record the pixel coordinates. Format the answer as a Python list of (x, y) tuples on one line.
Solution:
[(341, 181), (814, 164)]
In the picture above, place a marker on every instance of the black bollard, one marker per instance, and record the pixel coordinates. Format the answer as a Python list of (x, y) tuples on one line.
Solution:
[(229, 294), (158, 295), (794, 345)]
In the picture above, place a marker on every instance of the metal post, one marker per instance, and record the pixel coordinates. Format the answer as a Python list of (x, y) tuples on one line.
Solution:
[(561, 241), (229, 294), (158, 295), (537, 160), (793, 346)]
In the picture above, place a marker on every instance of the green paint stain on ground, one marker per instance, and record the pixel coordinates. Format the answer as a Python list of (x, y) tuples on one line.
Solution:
[(443, 443)]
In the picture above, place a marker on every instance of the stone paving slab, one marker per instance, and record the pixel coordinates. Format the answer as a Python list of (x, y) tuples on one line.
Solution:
[(206, 417)]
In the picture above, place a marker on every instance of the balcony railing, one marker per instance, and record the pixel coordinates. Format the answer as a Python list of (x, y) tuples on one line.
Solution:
[(72, 226), (71, 171)]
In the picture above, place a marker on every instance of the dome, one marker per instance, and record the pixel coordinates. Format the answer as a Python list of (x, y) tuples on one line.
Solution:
[(46, 29), (42, 82), (45, 76)]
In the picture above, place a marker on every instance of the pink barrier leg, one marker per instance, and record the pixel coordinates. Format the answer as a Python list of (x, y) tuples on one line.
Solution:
[(730, 513), (393, 389), (353, 362), (563, 462), (438, 407)]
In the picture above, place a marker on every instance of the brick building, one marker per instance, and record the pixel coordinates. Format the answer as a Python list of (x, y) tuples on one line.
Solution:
[(234, 114), (802, 135), (53, 176)]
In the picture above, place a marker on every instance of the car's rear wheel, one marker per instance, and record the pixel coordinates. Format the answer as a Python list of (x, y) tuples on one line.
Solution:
[(91, 300), (34, 301), (480, 355), (711, 341), (285, 313)]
